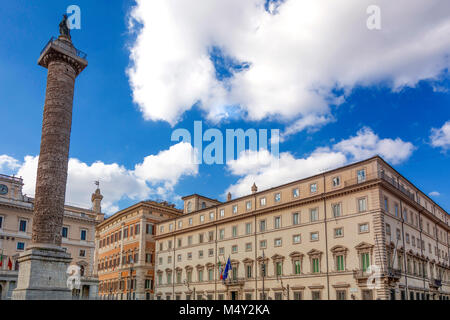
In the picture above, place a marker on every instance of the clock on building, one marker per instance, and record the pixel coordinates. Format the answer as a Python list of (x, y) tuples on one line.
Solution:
[(3, 189)]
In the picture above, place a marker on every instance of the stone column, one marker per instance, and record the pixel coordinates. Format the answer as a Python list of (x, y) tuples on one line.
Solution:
[(43, 266)]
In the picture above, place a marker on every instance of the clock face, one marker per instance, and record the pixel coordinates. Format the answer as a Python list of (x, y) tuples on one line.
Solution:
[(3, 189)]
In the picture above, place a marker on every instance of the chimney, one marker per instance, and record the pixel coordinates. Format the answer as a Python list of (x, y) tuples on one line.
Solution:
[(229, 196), (254, 188)]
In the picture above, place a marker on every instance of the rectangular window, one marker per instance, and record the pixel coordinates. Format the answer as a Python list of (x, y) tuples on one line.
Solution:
[(277, 223), (82, 253), (278, 242), (263, 244), (222, 213), (65, 232), (189, 255), (396, 209), (179, 258), (295, 218), (248, 228), (296, 239), (221, 251), (341, 295), (365, 263), (83, 235), (362, 205), (248, 272), (314, 215), (1, 222), (221, 234), (313, 187), (297, 267), (277, 197), (234, 249), (262, 202), (340, 263), (23, 226), (297, 295), (189, 240), (338, 232), (234, 231), (315, 265), (295, 193), (363, 227), (202, 218), (190, 221), (235, 209), (200, 254), (248, 246), (314, 236), (398, 234), (279, 268), (262, 225), (210, 252), (20, 246), (386, 204), (211, 236), (180, 243), (336, 181), (149, 229), (211, 216), (210, 274), (336, 210), (361, 175), (248, 205), (180, 224)]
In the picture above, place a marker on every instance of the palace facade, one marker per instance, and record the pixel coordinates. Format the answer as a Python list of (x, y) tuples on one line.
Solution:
[(78, 236), (322, 237), (125, 250)]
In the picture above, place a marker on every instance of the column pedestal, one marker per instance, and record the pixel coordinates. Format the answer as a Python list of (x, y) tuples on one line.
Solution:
[(43, 275)]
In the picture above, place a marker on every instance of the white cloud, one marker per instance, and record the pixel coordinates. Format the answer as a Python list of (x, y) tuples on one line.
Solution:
[(440, 138), (8, 163), (267, 171), (156, 176), (434, 194), (297, 55), (366, 144), (310, 122)]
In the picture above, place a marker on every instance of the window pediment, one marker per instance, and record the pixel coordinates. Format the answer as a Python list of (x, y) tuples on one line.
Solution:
[(296, 254), (364, 246), (314, 252), (339, 249), (277, 257)]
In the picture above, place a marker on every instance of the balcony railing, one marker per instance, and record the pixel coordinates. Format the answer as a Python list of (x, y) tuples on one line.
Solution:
[(392, 181), (436, 282), (394, 273), (79, 53), (360, 274), (234, 281)]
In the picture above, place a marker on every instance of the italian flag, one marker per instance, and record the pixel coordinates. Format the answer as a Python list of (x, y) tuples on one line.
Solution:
[(220, 271), (1, 259)]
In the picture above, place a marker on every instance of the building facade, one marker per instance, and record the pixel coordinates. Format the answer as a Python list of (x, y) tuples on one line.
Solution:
[(359, 232), (78, 237), (125, 250)]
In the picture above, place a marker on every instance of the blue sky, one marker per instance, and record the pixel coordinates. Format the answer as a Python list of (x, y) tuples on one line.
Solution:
[(339, 103)]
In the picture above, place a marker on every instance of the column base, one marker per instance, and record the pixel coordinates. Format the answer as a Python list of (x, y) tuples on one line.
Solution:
[(43, 275)]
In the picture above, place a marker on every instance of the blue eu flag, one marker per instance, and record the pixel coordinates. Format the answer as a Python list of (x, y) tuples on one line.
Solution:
[(227, 269)]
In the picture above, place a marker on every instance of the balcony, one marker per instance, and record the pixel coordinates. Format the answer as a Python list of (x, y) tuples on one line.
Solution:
[(392, 181), (394, 274), (436, 283), (235, 282), (54, 41)]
